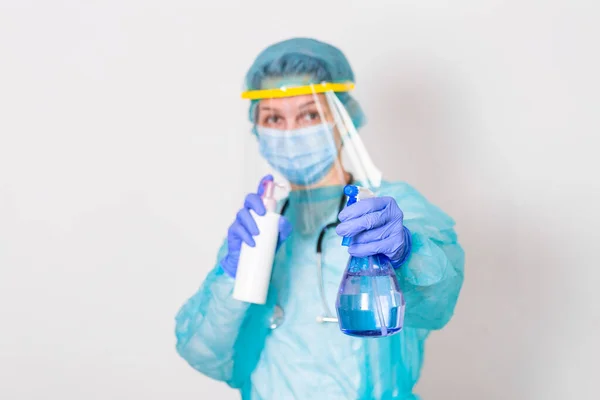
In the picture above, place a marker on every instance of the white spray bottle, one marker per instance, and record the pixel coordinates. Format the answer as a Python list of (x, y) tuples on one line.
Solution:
[(253, 274)]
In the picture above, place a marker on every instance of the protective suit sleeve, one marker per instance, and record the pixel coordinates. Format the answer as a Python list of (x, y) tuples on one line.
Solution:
[(208, 326), (432, 275)]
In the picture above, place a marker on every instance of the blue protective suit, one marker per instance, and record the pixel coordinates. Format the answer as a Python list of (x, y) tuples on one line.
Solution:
[(231, 341)]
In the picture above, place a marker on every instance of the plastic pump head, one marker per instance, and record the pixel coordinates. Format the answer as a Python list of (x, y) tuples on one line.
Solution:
[(268, 195), (352, 192), (355, 194)]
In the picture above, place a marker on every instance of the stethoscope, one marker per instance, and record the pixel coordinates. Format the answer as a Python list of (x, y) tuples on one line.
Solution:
[(278, 313)]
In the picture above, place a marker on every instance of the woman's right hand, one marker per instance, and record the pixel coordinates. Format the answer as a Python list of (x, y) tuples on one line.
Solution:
[(244, 228)]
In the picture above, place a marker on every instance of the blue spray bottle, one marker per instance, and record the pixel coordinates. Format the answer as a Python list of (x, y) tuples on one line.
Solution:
[(369, 301)]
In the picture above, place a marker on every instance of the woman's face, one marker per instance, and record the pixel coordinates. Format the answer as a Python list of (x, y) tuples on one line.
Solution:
[(307, 153), (296, 112)]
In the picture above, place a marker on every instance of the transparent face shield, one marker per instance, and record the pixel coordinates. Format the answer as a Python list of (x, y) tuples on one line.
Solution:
[(307, 137)]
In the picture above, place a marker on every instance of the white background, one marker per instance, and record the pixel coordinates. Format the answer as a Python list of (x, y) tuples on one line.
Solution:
[(125, 151)]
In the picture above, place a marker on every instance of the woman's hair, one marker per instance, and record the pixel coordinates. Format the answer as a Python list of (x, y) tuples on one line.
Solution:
[(289, 66), (303, 58)]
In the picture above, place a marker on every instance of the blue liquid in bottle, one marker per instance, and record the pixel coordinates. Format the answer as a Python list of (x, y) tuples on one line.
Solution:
[(369, 302)]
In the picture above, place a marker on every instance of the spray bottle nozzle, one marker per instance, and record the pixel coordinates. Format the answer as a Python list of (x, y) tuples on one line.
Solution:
[(352, 192), (268, 195), (268, 189), (355, 193)]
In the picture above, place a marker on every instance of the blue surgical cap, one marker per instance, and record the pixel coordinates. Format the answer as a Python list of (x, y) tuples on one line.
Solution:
[(301, 57)]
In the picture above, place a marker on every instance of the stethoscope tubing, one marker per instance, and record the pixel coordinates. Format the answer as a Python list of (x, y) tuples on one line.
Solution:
[(328, 315)]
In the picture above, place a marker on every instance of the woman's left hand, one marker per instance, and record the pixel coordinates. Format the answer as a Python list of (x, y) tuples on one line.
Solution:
[(376, 227)]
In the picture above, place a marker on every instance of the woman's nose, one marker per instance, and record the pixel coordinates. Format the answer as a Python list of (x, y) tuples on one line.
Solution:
[(291, 124)]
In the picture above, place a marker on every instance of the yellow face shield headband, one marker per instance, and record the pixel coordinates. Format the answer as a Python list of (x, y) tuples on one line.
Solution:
[(284, 91)]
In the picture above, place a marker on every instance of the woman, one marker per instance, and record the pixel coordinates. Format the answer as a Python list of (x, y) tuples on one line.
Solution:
[(279, 350)]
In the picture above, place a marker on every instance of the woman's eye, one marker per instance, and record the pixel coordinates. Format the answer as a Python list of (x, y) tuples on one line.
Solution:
[(311, 116), (273, 119)]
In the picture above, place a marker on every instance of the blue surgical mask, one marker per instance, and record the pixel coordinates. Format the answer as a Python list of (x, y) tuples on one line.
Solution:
[(303, 156)]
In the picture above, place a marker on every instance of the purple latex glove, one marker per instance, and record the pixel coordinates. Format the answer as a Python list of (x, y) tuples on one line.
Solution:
[(244, 228), (376, 227)]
